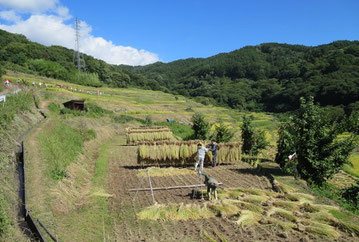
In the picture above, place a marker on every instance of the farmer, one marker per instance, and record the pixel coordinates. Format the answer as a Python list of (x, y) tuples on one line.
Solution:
[(213, 147), (201, 153)]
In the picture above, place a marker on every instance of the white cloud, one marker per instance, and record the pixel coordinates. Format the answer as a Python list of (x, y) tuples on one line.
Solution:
[(31, 6), (52, 30), (10, 16)]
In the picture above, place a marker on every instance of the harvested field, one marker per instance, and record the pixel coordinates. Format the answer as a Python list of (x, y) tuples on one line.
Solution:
[(221, 225)]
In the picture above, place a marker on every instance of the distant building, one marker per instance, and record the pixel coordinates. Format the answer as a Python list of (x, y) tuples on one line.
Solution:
[(77, 105)]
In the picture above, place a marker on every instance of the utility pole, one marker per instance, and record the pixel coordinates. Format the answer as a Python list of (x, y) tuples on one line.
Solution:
[(78, 57)]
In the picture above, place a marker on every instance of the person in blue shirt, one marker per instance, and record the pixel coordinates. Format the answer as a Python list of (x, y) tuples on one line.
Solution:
[(213, 147)]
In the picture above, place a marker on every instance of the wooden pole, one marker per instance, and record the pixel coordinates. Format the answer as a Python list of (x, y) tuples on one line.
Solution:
[(168, 188), (149, 179)]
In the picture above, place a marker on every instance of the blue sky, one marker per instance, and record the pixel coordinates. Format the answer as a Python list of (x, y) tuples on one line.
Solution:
[(141, 32)]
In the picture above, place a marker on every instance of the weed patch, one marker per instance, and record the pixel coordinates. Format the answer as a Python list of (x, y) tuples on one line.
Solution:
[(4, 219), (60, 145)]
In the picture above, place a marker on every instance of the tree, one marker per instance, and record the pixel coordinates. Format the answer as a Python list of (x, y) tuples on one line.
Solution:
[(286, 147), (223, 133), (320, 154), (253, 140), (200, 126)]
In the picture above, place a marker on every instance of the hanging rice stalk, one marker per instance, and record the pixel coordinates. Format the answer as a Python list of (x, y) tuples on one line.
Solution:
[(144, 134), (184, 152)]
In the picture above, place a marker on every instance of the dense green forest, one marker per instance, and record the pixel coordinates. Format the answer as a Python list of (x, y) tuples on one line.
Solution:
[(267, 77)]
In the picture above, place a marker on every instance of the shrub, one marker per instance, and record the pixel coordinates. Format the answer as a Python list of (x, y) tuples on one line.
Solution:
[(48, 68), (253, 140), (148, 121), (200, 126), (179, 129), (122, 119), (54, 108), (96, 111), (85, 78), (88, 134), (351, 194), (222, 133)]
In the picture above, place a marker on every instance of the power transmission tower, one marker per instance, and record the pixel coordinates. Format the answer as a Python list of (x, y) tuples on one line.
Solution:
[(78, 57)]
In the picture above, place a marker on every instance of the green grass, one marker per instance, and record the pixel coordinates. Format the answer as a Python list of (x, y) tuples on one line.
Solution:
[(180, 130), (60, 145), (4, 218), (353, 169), (14, 104)]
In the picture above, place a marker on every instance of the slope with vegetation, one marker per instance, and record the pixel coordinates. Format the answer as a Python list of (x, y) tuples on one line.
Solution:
[(79, 169), (266, 77)]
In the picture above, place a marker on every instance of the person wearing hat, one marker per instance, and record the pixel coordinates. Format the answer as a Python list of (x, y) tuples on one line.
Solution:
[(201, 153)]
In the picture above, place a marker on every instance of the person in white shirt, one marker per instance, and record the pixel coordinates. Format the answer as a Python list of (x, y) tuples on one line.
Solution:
[(201, 153)]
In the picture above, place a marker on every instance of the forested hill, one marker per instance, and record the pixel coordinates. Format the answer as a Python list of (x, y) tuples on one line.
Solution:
[(269, 77)]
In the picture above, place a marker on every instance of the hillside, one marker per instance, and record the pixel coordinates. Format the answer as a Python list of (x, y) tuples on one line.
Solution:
[(80, 170), (267, 77)]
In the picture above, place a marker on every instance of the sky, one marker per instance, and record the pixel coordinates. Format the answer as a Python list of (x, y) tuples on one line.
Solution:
[(141, 32)]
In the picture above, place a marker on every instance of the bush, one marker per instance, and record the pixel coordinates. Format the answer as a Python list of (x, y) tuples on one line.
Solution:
[(88, 134), (148, 121), (122, 119), (222, 133), (48, 68), (85, 78), (319, 153), (55, 108), (96, 111), (180, 130), (351, 194), (200, 127), (253, 140)]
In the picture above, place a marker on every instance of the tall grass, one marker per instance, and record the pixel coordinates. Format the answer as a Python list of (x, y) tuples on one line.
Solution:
[(4, 218), (183, 131), (60, 145), (14, 104)]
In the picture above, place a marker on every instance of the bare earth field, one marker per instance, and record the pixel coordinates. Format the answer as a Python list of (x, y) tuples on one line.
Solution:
[(125, 205)]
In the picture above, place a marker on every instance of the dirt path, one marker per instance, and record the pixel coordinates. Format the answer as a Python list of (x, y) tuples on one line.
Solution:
[(36, 194)]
